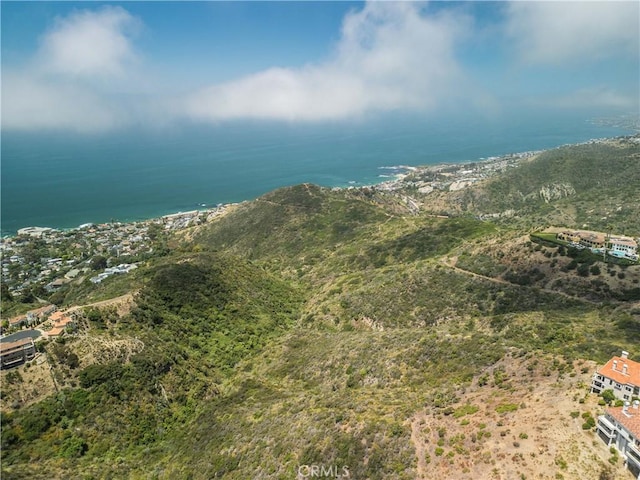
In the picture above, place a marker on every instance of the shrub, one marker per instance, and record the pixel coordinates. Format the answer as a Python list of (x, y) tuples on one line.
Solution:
[(589, 424), (465, 410), (608, 395), (506, 407)]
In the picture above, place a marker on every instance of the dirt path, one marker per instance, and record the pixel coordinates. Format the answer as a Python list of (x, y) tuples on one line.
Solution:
[(452, 261), (122, 303)]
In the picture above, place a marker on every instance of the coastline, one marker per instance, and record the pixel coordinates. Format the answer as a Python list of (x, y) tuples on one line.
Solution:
[(395, 178)]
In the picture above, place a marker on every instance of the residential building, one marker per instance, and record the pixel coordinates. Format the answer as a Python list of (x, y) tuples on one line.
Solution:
[(14, 353), (616, 245), (55, 331), (585, 238), (18, 321), (623, 246), (620, 375), (620, 427), (61, 320), (39, 314)]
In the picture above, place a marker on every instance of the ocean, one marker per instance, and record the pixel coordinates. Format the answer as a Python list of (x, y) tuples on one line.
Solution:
[(64, 180)]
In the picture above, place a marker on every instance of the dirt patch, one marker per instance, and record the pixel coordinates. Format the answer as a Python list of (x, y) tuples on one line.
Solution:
[(516, 422), (102, 349), (122, 304), (26, 384)]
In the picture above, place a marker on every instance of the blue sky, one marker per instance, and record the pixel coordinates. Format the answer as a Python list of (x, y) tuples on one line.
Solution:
[(91, 66)]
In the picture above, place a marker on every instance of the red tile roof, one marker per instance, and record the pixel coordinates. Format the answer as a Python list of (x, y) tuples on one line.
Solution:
[(17, 320), (55, 331), (629, 419), (632, 376), (57, 316)]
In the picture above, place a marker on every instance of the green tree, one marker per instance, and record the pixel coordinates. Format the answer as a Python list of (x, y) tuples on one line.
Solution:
[(27, 296), (98, 262), (608, 396), (5, 294)]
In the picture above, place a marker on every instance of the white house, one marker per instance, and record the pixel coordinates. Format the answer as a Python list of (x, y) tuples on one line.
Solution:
[(620, 375), (623, 246), (620, 427)]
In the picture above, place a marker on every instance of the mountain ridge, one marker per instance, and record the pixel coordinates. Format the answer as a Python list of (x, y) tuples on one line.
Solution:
[(322, 326)]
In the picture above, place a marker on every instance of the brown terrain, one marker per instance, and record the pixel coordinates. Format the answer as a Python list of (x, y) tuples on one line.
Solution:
[(522, 419), (43, 376)]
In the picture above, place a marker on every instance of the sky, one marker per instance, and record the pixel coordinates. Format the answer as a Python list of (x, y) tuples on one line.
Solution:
[(88, 67)]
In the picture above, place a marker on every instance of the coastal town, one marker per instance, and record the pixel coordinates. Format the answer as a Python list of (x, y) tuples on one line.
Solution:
[(39, 261)]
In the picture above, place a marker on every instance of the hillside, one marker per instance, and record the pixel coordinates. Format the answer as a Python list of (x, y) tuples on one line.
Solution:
[(348, 328), (590, 185)]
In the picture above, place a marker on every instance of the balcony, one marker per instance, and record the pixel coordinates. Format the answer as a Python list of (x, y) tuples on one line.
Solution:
[(606, 427), (633, 454)]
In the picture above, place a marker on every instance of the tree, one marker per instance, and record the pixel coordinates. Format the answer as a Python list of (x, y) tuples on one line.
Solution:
[(608, 396), (98, 263), (5, 294), (73, 361), (27, 296)]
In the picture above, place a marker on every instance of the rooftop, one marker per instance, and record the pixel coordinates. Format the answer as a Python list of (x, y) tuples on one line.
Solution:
[(615, 369), (629, 419), (9, 346), (55, 331)]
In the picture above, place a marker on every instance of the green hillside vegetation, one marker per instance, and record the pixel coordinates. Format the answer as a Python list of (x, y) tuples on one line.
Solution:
[(310, 325), (593, 184)]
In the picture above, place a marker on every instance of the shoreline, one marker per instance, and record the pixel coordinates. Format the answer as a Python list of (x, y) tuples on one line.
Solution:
[(390, 181)]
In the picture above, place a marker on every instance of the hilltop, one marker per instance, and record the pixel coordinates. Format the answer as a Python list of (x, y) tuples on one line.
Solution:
[(410, 330)]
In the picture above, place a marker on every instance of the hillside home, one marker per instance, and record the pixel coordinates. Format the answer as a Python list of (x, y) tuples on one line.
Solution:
[(39, 314), (18, 321), (620, 427), (624, 246), (61, 321), (14, 353), (620, 375), (617, 245), (583, 237)]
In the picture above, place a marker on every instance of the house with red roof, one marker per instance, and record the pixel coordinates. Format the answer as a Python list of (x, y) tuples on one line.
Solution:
[(620, 427), (620, 375)]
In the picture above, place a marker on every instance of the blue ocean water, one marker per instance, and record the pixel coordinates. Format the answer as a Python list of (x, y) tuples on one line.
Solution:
[(64, 180)]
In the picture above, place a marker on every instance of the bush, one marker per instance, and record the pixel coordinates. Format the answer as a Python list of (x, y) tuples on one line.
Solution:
[(465, 410), (506, 407), (73, 447), (608, 396), (589, 424)]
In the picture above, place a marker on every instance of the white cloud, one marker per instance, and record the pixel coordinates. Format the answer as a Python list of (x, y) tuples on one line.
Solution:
[(87, 76), (72, 82), (598, 97), (30, 103), (573, 32), (390, 56), (90, 43)]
